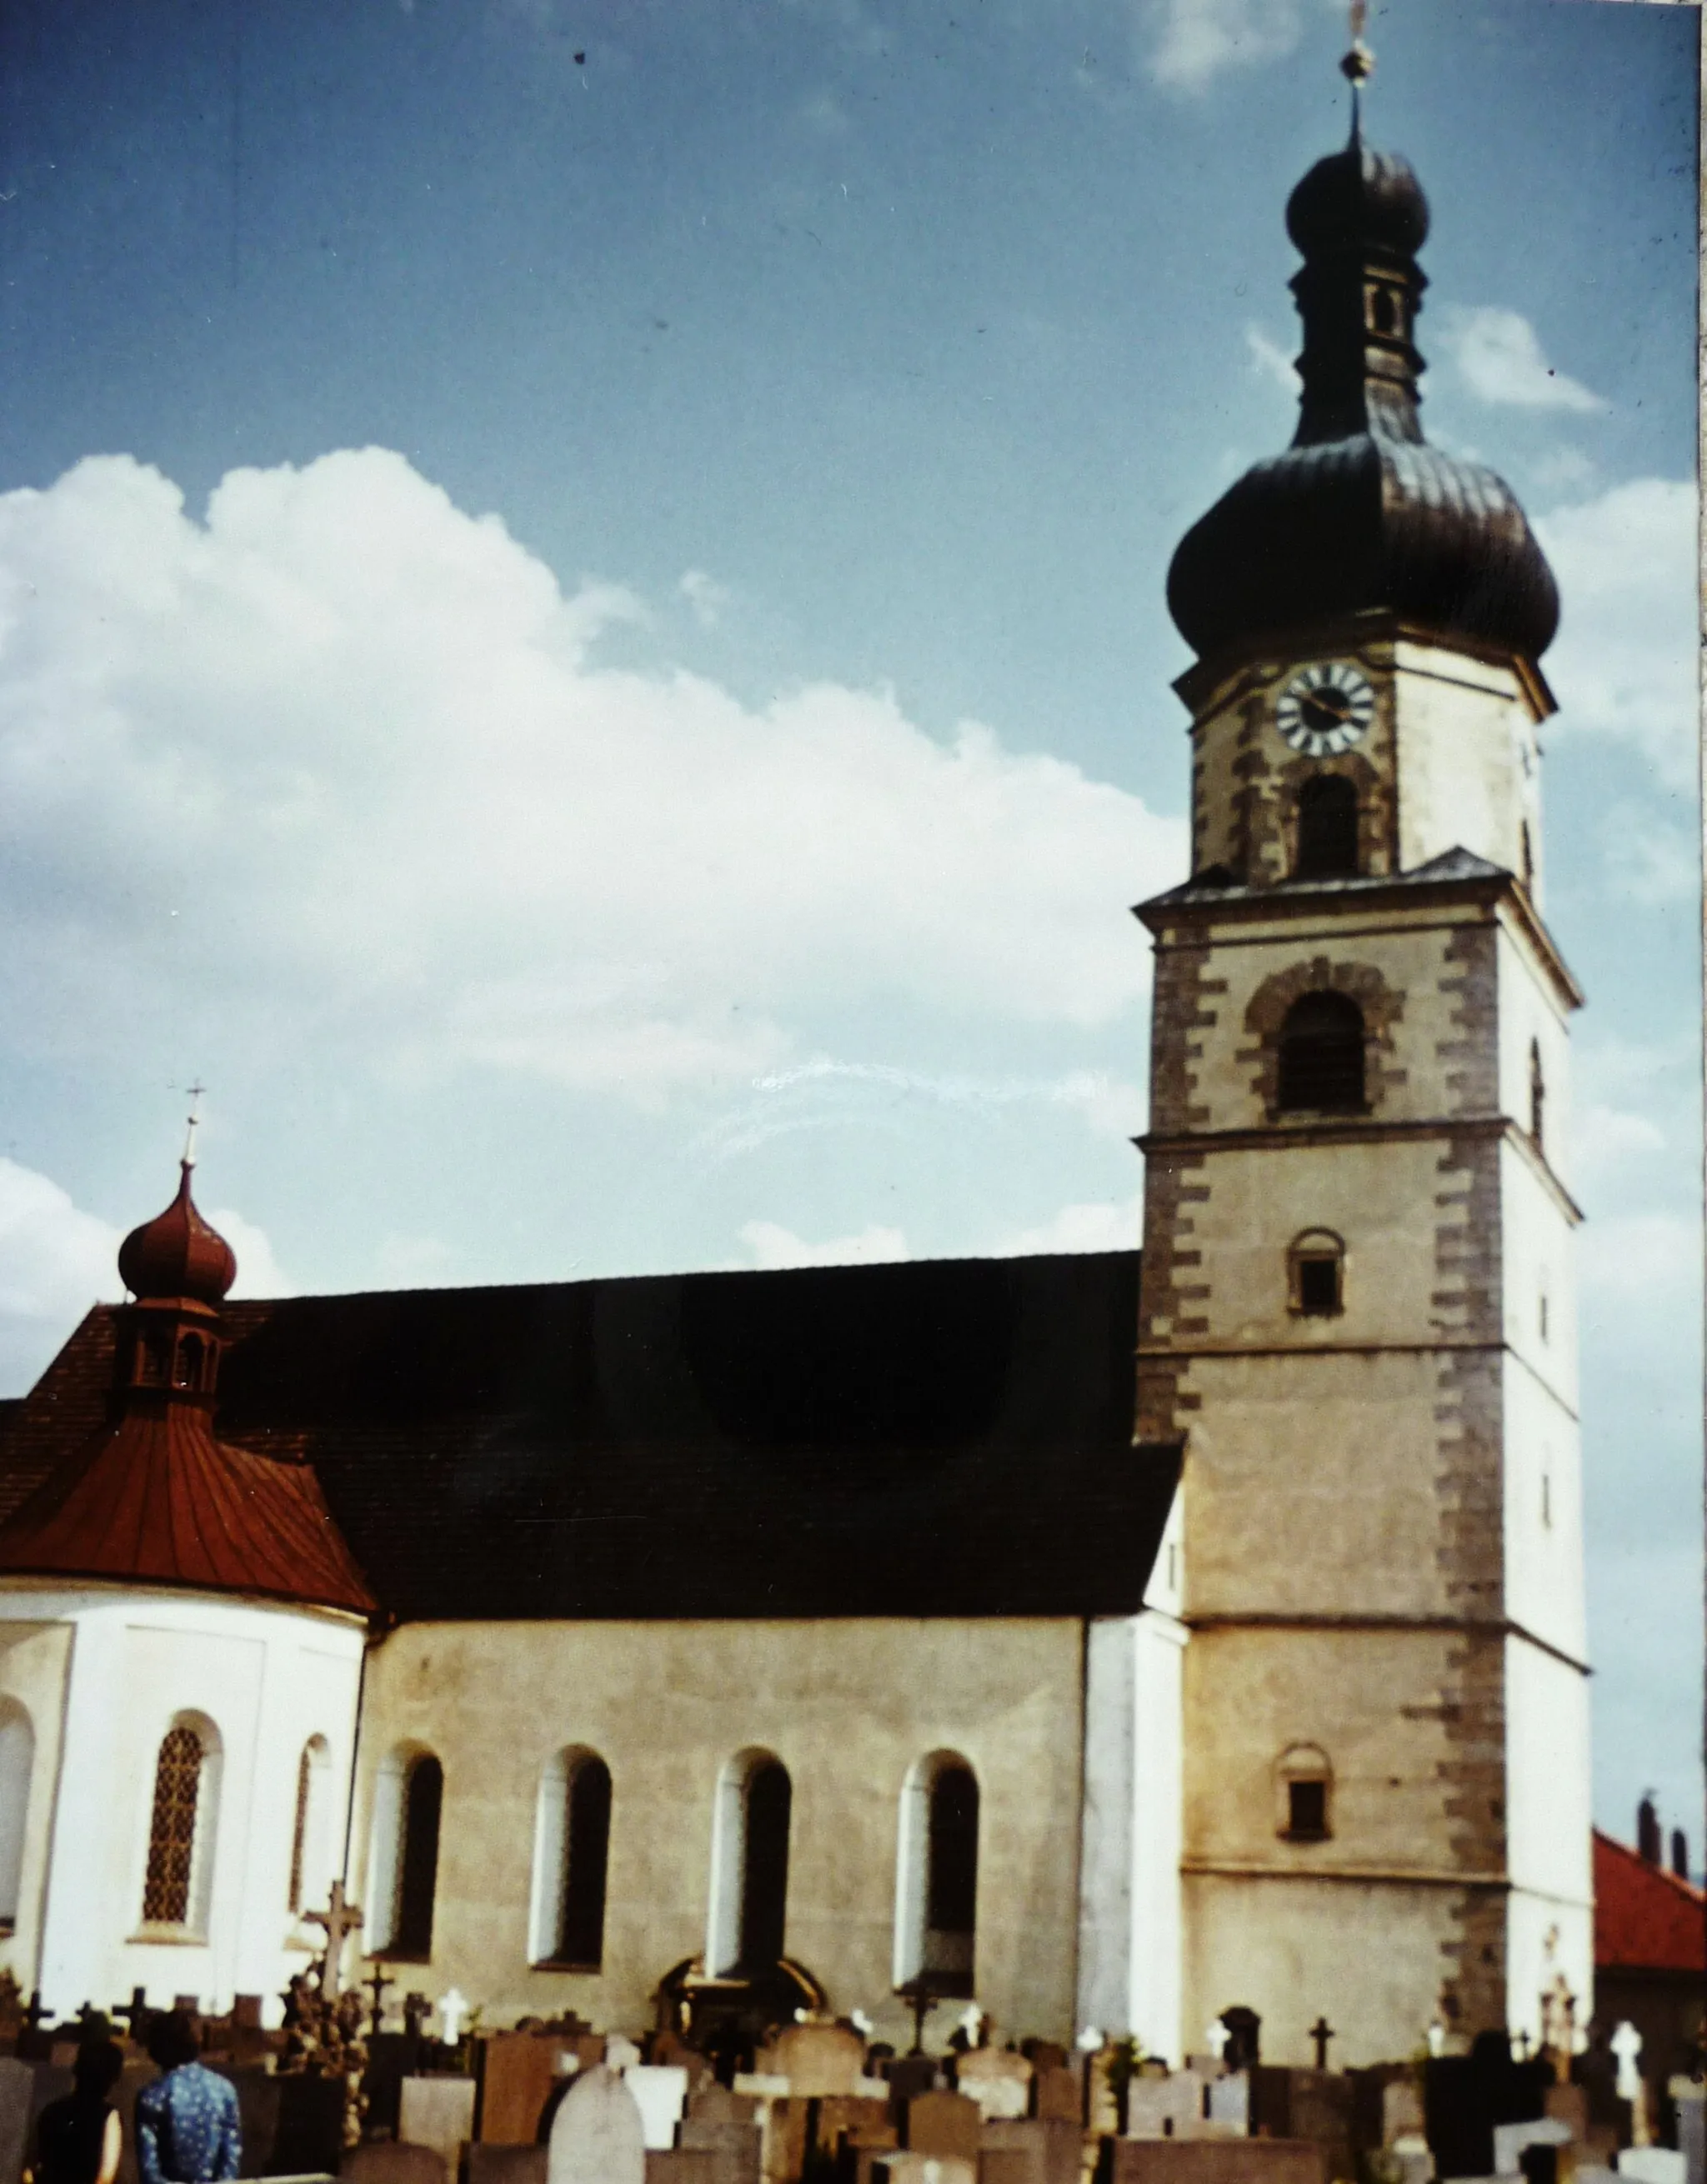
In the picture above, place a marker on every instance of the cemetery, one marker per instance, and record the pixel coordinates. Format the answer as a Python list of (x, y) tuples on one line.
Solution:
[(360, 2083)]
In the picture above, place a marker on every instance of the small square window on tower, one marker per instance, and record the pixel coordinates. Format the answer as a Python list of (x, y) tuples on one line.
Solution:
[(1315, 1272), (1303, 1777)]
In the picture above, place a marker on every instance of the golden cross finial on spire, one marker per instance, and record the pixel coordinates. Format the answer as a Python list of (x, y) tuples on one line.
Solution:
[(193, 1119), (1359, 62)]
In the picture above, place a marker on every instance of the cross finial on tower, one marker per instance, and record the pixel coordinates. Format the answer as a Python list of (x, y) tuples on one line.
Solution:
[(193, 1121), (1358, 63)]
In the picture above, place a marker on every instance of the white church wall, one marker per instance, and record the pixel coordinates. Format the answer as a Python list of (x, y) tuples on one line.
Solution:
[(255, 1683), (34, 1666), (849, 1708), (1550, 1927)]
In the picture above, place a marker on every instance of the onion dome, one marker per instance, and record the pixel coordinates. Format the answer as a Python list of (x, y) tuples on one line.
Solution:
[(1360, 513), (178, 1254)]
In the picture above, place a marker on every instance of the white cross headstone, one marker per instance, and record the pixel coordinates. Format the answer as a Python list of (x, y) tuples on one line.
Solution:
[(971, 2023), (1089, 2041), (1437, 2038), (1625, 2044), (453, 2008), (1217, 2035), (862, 2024)]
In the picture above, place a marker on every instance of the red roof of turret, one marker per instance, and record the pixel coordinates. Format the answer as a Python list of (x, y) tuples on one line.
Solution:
[(155, 1498), (1644, 1917)]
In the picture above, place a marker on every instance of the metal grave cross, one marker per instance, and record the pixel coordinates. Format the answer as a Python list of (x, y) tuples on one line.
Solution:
[(341, 1919), (1321, 2032)]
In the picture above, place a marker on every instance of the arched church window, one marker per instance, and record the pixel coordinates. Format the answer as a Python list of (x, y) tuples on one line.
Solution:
[(1321, 1057), (308, 1853), (936, 1920), (417, 1879), (1304, 1780), (571, 1859), (1538, 1095), (749, 1887), (1316, 1274), (1327, 829), (181, 1829), (17, 1765)]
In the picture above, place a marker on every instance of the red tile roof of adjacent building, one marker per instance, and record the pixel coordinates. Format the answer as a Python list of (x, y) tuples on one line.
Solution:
[(1645, 1918)]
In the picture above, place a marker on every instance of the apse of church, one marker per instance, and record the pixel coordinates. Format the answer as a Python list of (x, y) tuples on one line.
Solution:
[(1358, 1297)]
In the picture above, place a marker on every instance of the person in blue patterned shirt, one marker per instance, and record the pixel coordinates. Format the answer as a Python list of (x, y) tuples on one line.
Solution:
[(186, 2121)]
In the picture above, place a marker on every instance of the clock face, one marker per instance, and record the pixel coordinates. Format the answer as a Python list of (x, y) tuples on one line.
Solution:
[(1324, 708)]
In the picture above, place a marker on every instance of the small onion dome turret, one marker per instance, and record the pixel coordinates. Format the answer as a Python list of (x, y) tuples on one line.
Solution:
[(178, 1254), (1360, 513)]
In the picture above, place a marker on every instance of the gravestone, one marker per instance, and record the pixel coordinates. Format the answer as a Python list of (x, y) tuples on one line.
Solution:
[(17, 2100), (258, 2114), (716, 2103), (1166, 2108), (1056, 2095), (518, 2073), (910, 2075), (1227, 2104), (1510, 2139), (816, 2060), (997, 2078), (506, 2164), (1465, 2096), (733, 2144), (1052, 2152), (1653, 2164), (310, 2127), (677, 2165), (943, 2124), (388, 2161), (391, 2057), (660, 2092), (1688, 2095), (1402, 2112), (1210, 2161), (438, 2112), (596, 2136)]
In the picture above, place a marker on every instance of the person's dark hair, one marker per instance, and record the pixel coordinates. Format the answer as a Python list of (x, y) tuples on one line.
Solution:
[(173, 2039), (96, 2068)]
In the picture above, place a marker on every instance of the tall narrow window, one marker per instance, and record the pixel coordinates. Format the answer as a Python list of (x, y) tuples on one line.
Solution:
[(937, 1876), (1327, 829), (572, 1861), (310, 1862), (1527, 854), (417, 1863), (765, 1866), (181, 1828), (1321, 1057), (1538, 1095), (17, 1765)]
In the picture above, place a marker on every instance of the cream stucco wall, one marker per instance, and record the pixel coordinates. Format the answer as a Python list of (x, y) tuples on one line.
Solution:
[(848, 1708)]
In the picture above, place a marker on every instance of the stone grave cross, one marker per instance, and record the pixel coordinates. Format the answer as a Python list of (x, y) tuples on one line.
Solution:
[(1321, 2032), (453, 2008), (341, 1919), (376, 1984), (1625, 2044)]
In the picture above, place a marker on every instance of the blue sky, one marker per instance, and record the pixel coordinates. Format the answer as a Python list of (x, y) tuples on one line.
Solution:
[(582, 628)]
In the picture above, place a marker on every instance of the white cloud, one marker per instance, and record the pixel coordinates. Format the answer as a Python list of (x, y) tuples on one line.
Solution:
[(335, 769), (705, 596), (1190, 43), (258, 1272), (773, 1246), (1499, 356), (1100, 1226), (1624, 664), (1268, 357)]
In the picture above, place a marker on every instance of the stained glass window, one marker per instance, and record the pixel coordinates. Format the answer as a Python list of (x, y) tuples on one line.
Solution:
[(172, 1835)]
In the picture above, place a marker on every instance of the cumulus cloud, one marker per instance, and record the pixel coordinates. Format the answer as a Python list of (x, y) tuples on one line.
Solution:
[(1499, 356), (338, 767), (1188, 43), (773, 1246), (1101, 1225), (1624, 664)]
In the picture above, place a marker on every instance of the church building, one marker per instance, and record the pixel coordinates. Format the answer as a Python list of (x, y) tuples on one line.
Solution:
[(1112, 1639)]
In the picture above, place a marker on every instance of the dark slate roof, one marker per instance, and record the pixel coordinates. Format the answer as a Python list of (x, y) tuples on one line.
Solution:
[(1215, 884), (948, 1437)]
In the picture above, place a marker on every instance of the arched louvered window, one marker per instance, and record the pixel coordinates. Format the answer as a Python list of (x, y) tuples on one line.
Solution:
[(936, 1891), (571, 1860), (1327, 829), (1321, 1057), (176, 1886)]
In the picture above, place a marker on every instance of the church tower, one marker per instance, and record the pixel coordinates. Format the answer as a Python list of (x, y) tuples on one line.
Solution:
[(1356, 1294)]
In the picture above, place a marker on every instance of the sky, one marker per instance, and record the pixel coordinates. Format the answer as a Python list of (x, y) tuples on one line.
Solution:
[(582, 633)]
